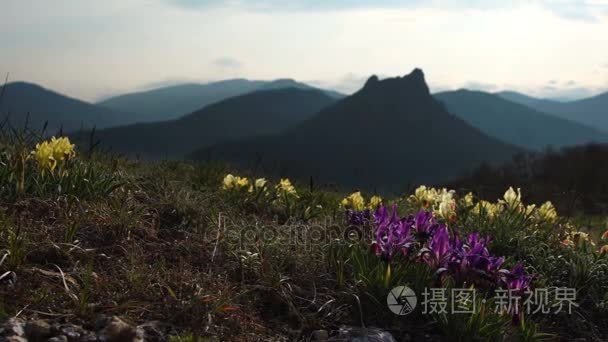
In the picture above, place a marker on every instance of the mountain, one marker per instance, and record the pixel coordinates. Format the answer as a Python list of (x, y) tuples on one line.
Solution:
[(520, 98), (515, 123), (173, 102), (592, 111), (390, 134), (258, 113), (25, 101)]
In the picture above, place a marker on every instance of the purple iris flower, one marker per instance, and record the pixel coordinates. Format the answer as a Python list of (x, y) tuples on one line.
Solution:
[(517, 279), (467, 259), (392, 233), (358, 218), (424, 224)]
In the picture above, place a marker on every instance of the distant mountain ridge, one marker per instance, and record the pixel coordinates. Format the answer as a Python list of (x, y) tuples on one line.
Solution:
[(22, 101), (264, 112), (516, 123), (169, 103), (389, 134), (592, 111)]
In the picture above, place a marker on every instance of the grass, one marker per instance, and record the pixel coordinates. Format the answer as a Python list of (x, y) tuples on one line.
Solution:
[(162, 241)]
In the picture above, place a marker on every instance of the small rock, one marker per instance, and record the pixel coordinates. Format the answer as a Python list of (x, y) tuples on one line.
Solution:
[(71, 332), (37, 330), (59, 338), (119, 331), (13, 327), (357, 334), (320, 335), (90, 337), (15, 339), (156, 331)]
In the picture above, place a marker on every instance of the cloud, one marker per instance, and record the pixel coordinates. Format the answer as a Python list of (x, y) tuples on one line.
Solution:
[(227, 63), (566, 93), (587, 10), (475, 85)]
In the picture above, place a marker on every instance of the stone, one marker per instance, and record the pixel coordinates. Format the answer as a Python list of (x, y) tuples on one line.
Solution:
[(155, 331), (72, 333), (118, 330), (60, 338), (358, 334), (37, 330), (13, 327), (15, 339)]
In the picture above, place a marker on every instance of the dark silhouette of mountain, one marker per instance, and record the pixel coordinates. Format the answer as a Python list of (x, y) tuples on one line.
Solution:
[(25, 101), (176, 101), (592, 111), (390, 134), (515, 123), (257, 113)]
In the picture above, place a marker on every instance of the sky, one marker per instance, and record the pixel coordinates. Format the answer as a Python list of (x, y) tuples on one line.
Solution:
[(92, 49)]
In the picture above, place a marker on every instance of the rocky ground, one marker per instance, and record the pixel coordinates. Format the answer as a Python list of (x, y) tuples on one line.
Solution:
[(105, 328)]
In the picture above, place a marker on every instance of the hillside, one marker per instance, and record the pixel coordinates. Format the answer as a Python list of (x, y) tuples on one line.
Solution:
[(253, 114), (99, 248), (170, 103), (25, 101), (389, 134), (592, 111), (515, 123)]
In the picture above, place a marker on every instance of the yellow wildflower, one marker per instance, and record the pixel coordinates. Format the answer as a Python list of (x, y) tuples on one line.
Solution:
[(44, 156), (62, 148), (229, 181), (286, 188), (547, 212), (512, 198), (580, 236), (485, 207), (468, 200), (241, 182), (355, 201), (447, 205), (260, 183), (374, 202), (530, 209), (424, 196)]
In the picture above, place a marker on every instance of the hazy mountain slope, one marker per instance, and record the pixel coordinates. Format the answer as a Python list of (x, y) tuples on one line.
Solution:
[(592, 111), (257, 113), (515, 123), (176, 101), (25, 101), (523, 99), (389, 134)]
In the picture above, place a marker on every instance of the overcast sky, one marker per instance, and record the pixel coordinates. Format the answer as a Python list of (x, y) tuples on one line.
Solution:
[(92, 48)]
